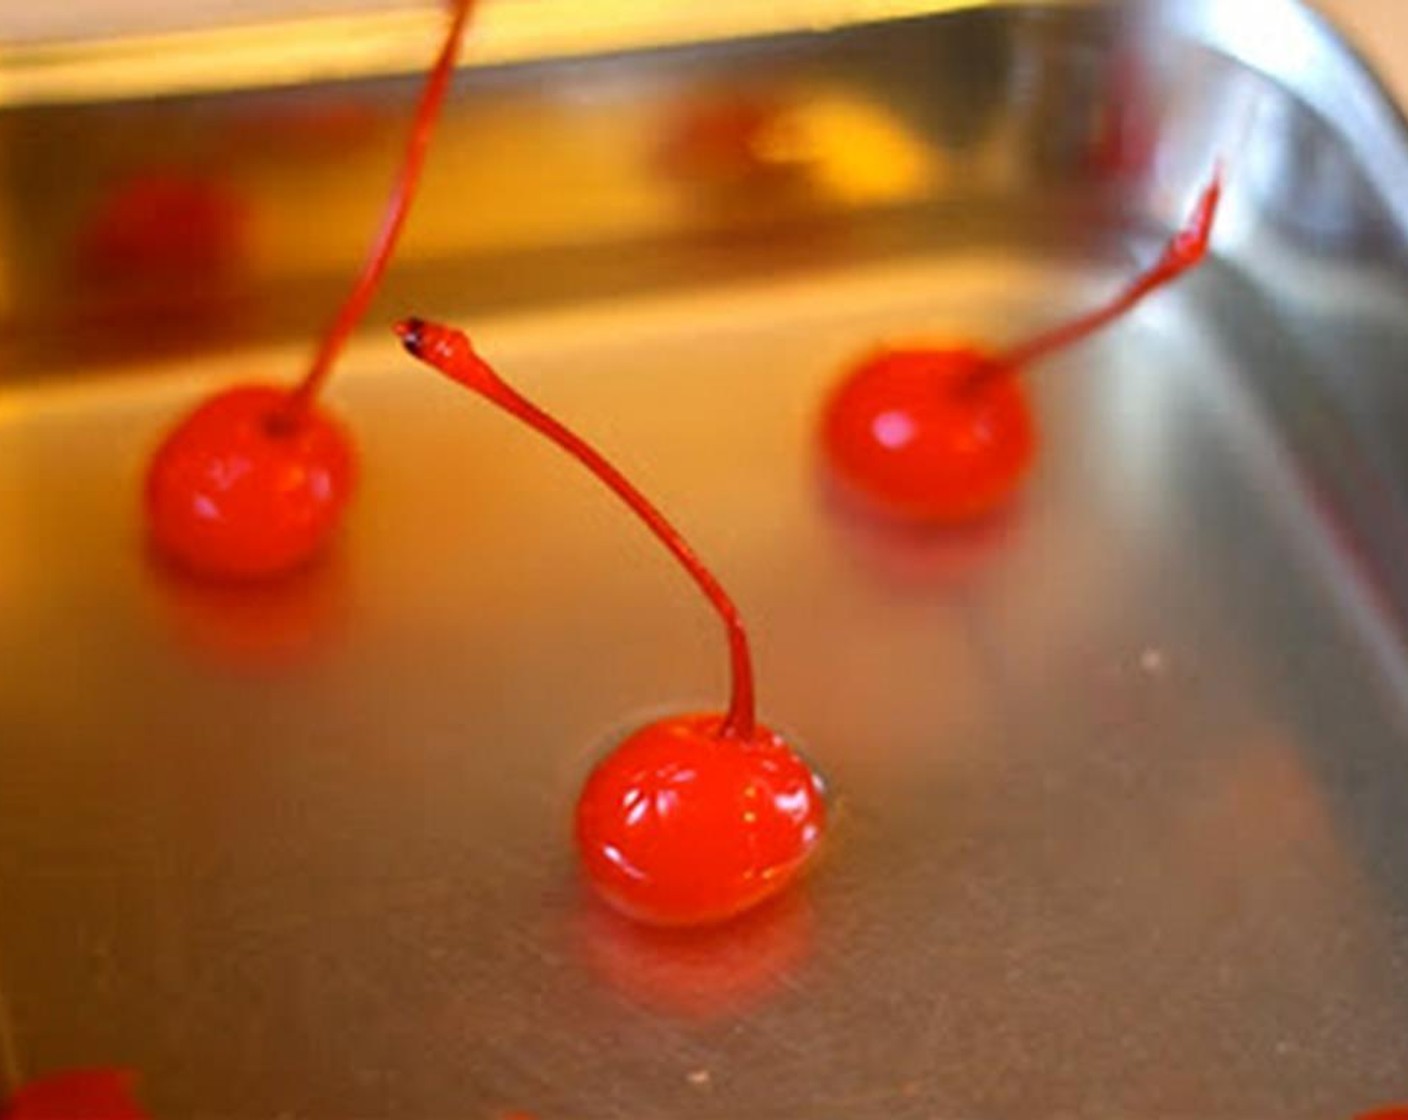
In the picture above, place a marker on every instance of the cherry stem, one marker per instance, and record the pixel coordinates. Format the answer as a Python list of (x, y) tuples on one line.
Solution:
[(398, 208), (1185, 249), (449, 351)]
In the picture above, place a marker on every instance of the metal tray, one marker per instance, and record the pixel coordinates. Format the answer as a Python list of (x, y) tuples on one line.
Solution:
[(1120, 778)]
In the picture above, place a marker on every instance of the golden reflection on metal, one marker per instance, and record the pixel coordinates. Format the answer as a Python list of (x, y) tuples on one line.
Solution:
[(845, 152), (11, 1075), (863, 155), (8, 216), (292, 52)]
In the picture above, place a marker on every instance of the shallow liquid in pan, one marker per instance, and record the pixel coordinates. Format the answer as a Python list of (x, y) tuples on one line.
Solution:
[(1117, 776)]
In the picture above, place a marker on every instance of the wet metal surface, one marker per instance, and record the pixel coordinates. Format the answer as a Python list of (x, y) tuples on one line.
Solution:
[(1120, 777)]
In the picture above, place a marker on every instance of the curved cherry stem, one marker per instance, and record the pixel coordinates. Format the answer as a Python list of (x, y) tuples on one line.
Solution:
[(1185, 250), (449, 351), (398, 208)]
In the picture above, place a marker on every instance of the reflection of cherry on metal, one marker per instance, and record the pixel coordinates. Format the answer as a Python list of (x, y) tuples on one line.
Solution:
[(910, 556), (267, 625), (1126, 128), (734, 140), (698, 974), (162, 261), (171, 226), (83, 1094), (694, 818)]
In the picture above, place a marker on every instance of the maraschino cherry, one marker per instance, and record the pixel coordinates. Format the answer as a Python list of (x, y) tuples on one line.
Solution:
[(254, 482), (84, 1094), (941, 435), (691, 819)]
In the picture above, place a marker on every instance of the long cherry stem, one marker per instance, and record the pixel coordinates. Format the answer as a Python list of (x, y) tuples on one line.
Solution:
[(449, 351), (1186, 249), (398, 207)]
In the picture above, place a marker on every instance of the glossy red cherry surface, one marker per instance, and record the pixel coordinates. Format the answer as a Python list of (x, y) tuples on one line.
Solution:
[(681, 825), (1392, 1112), (926, 435), (242, 489), (253, 483), (88, 1094), (695, 818), (944, 434)]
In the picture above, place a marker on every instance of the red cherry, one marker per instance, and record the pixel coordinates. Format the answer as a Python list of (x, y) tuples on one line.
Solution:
[(1392, 1112), (253, 483), (695, 818), (943, 435), (242, 489), (87, 1094), (680, 825), (924, 436)]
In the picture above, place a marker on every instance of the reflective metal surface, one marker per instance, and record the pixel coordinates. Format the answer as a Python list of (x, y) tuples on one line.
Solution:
[(1121, 778), (94, 49)]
